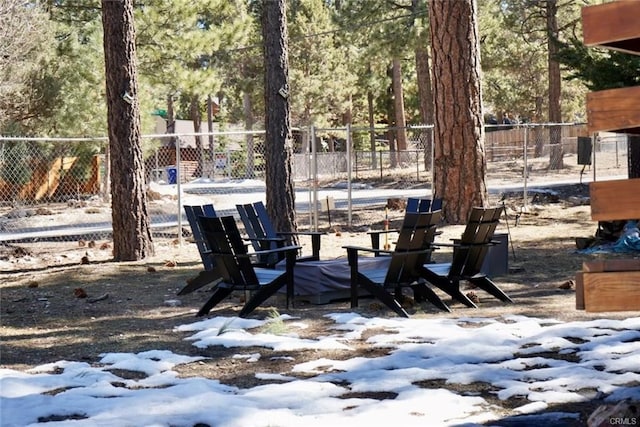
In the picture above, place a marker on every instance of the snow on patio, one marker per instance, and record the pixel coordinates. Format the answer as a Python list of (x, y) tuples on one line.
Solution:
[(544, 361)]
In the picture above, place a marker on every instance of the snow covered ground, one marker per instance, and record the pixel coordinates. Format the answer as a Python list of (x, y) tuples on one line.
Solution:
[(545, 362)]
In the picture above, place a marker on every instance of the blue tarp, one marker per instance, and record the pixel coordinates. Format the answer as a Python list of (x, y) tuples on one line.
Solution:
[(629, 241)]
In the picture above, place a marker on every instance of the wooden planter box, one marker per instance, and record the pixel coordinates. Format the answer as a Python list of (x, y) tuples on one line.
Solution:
[(612, 285), (609, 285), (612, 25), (615, 200), (614, 110)]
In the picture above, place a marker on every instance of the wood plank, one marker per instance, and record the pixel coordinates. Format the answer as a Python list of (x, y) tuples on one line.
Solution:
[(612, 291), (614, 110), (612, 25), (611, 265), (615, 200), (579, 290)]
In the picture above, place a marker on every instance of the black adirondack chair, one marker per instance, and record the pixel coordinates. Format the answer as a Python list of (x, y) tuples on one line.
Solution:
[(209, 274), (263, 235), (468, 255), (233, 262), (414, 205), (412, 250)]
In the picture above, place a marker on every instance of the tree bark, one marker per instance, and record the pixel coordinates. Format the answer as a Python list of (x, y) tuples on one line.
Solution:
[(391, 121), (537, 131), (248, 125), (278, 139), (210, 146), (425, 99), (372, 132), (556, 153), (460, 164), (131, 229), (196, 118), (398, 104), (171, 120)]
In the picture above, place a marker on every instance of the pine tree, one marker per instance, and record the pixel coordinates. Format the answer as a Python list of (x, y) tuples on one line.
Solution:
[(24, 36), (322, 82), (130, 218), (279, 143), (460, 164), (185, 53)]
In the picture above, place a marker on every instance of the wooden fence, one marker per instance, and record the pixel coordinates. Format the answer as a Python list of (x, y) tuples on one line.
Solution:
[(509, 144)]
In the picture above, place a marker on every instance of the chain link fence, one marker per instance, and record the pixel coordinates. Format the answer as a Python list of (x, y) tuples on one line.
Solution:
[(58, 189)]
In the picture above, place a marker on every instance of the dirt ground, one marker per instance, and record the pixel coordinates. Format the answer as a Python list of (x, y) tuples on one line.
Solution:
[(77, 311)]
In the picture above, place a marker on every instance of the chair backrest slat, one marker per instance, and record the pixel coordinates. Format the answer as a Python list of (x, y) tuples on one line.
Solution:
[(486, 230), (416, 205), (436, 204), (417, 233), (267, 225), (221, 250), (413, 204), (257, 224), (228, 250), (193, 212), (475, 241), (239, 250), (208, 210), (251, 225)]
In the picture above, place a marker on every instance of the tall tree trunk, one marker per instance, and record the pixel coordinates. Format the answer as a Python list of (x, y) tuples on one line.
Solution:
[(460, 164), (171, 120), (106, 193), (248, 126), (425, 99), (391, 120), (131, 231), (210, 146), (196, 117), (372, 132), (278, 139), (347, 116), (556, 153), (537, 131), (398, 104)]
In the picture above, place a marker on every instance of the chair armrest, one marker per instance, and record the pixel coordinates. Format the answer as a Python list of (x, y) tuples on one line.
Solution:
[(274, 250), (301, 233), (412, 252), (265, 243), (364, 249), (464, 245), (264, 239), (315, 241), (389, 252), (391, 230), (445, 245)]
